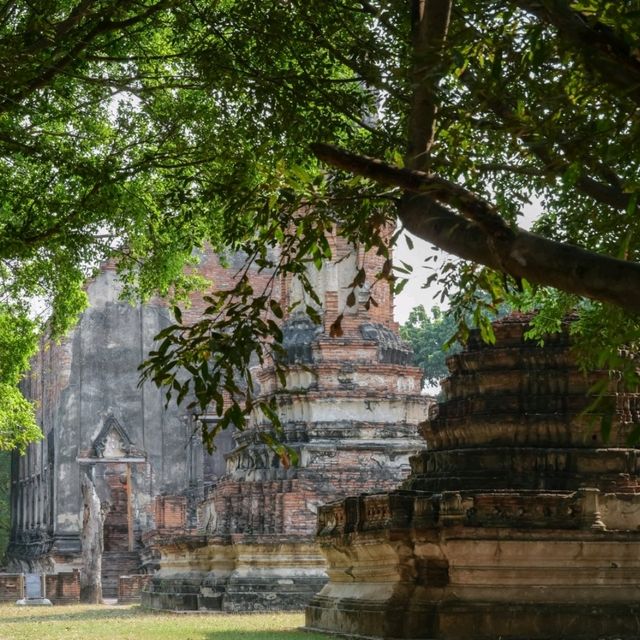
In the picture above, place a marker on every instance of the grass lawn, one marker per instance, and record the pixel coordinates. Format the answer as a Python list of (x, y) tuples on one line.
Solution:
[(84, 622)]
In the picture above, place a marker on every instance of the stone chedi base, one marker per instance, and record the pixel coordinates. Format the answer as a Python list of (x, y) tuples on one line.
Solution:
[(260, 551), (209, 573), (517, 523), (351, 410)]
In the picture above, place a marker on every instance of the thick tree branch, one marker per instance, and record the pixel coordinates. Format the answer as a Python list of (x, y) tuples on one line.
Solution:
[(526, 255), (469, 204), (518, 253)]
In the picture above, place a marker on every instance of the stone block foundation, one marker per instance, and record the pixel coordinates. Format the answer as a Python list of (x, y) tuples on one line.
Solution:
[(277, 576)]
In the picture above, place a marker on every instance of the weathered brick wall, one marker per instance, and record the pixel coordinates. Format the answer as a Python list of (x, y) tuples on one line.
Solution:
[(130, 587), (223, 278), (511, 523), (171, 512), (11, 587), (109, 332), (334, 289), (351, 412), (288, 507), (64, 587), (265, 497)]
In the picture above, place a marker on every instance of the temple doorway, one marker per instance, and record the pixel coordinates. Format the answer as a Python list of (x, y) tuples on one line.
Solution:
[(118, 531), (119, 557)]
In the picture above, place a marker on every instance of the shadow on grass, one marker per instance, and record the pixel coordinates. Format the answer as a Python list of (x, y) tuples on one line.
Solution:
[(280, 634), (291, 634), (266, 635)]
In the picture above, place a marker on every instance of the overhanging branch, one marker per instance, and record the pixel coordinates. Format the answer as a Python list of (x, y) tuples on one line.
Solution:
[(469, 204), (518, 253)]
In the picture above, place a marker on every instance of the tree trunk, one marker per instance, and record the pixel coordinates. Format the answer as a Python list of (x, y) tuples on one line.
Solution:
[(92, 544), (430, 20)]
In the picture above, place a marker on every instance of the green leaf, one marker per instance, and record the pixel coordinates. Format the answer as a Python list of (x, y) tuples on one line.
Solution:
[(276, 309)]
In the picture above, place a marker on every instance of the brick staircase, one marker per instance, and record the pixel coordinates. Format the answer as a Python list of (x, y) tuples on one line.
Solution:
[(114, 565)]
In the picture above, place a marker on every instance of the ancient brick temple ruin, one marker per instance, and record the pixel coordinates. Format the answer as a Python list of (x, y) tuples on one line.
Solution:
[(518, 522), (235, 529), (350, 409), (98, 424)]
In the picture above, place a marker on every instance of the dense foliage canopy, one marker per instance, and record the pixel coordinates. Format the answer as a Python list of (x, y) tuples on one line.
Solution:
[(141, 129)]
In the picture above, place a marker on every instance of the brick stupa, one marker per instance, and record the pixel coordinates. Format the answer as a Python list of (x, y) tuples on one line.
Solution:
[(518, 522), (351, 410)]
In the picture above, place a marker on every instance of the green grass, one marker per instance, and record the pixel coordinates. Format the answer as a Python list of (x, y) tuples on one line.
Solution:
[(84, 622)]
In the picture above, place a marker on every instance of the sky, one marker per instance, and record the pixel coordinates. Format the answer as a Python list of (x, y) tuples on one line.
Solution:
[(413, 293)]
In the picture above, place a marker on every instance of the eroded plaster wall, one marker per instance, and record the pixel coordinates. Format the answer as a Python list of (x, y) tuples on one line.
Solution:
[(81, 386)]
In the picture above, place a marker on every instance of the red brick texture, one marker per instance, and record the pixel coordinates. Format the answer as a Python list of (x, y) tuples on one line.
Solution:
[(63, 588), (11, 587), (171, 512), (130, 588)]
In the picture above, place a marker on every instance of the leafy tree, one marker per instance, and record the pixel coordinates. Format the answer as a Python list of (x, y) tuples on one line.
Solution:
[(82, 174), (482, 106), (142, 129), (428, 335), (18, 340), (435, 336)]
